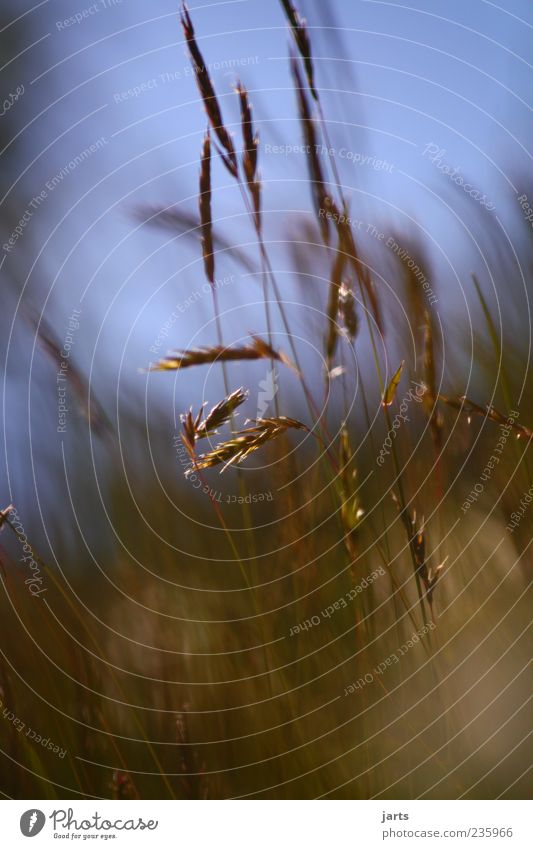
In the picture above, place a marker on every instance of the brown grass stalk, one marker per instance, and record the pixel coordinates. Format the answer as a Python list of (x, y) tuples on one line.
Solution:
[(257, 350), (249, 154), (360, 268), (245, 442), (464, 405), (390, 392), (208, 95), (335, 282), (194, 428), (88, 404), (348, 312), (204, 206), (301, 38), (316, 174)]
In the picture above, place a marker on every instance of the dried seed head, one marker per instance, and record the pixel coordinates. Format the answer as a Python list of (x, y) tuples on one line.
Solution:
[(348, 311), (351, 512), (204, 204), (347, 242), (4, 514), (429, 398), (464, 405), (244, 442), (257, 350), (333, 305), (275, 422), (417, 541), (414, 269), (196, 428), (249, 156), (208, 95), (220, 413), (188, 435), (390, 392), (433, 577), (250, 140), (301, 37), (316, 175)]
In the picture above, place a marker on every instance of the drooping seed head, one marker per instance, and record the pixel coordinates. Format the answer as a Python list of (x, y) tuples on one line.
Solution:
[(207, 93)]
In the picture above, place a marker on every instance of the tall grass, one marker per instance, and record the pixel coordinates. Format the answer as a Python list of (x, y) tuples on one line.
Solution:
[(326, 625)]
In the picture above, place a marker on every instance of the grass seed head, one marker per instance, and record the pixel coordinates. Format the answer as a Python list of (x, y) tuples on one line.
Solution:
[(333, 305), (464, 405), (301, 38), (390, 392), (347, 311), (208, 95), (348, 245), (245, 442), (220, 413), (257, 350), (249, 154), (316, 176), (204, 203), (429, 398)]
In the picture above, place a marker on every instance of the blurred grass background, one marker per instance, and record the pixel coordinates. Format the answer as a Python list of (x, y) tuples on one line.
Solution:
[(149, 658)]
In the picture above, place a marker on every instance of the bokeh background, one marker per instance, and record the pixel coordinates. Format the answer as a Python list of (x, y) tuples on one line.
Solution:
[(158, 661)]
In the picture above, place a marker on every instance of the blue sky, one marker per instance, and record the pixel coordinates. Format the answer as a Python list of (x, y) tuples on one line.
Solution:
[(394, 78)]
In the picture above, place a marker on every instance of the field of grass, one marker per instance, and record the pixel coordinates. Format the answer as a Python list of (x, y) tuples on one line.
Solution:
[(315, 583)]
